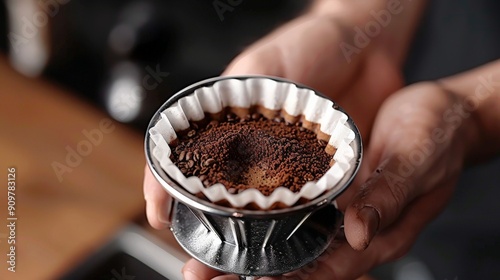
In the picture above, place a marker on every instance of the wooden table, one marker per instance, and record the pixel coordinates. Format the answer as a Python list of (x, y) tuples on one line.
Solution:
[(62, 216)]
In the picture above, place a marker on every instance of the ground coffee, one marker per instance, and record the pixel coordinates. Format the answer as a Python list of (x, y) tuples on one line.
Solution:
[(251, 152)]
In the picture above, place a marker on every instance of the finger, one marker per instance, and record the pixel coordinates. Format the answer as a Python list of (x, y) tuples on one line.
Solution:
[(341, 261), (378, 203), (394, 242), (406, 168), (261, 60), (350, 193), (304, 51), (157, 201), (376, 87), (195, 270)]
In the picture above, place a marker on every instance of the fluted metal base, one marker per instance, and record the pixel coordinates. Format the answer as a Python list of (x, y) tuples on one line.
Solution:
[(255, 247)]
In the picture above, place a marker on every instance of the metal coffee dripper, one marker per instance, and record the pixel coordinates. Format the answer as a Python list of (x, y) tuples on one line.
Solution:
[(250, 243)]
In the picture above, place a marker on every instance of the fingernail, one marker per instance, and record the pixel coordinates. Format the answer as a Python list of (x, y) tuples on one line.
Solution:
[(163, 220), (189, 275), (370, 219), (163, 213)]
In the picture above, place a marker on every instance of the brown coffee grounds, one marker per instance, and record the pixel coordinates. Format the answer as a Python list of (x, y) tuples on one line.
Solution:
[(251, 152)]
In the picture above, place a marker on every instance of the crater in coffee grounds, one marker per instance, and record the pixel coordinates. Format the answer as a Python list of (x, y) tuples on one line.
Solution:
[(251, 152)]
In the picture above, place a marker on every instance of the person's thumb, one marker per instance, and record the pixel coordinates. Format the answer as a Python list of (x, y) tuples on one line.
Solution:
[(379, 202), (260, 59)]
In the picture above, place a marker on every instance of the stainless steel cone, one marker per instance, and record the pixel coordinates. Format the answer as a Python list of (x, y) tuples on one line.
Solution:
[(251, 242)]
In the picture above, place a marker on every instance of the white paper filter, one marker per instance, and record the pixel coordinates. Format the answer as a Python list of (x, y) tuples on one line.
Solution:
[(271, 94)]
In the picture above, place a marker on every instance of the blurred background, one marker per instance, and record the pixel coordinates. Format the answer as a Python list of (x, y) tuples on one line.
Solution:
[(68, 65), (95, 48)]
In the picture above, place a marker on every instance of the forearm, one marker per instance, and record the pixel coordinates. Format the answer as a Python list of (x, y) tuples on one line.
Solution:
[(479, 90), (397, 19)]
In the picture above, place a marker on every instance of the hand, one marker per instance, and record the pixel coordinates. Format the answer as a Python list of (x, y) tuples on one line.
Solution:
[(415, 156), (307, 51), (416, 153)]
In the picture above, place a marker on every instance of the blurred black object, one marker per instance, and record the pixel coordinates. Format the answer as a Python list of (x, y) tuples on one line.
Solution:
[(130, 56), (454, 36), (3, 27)]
